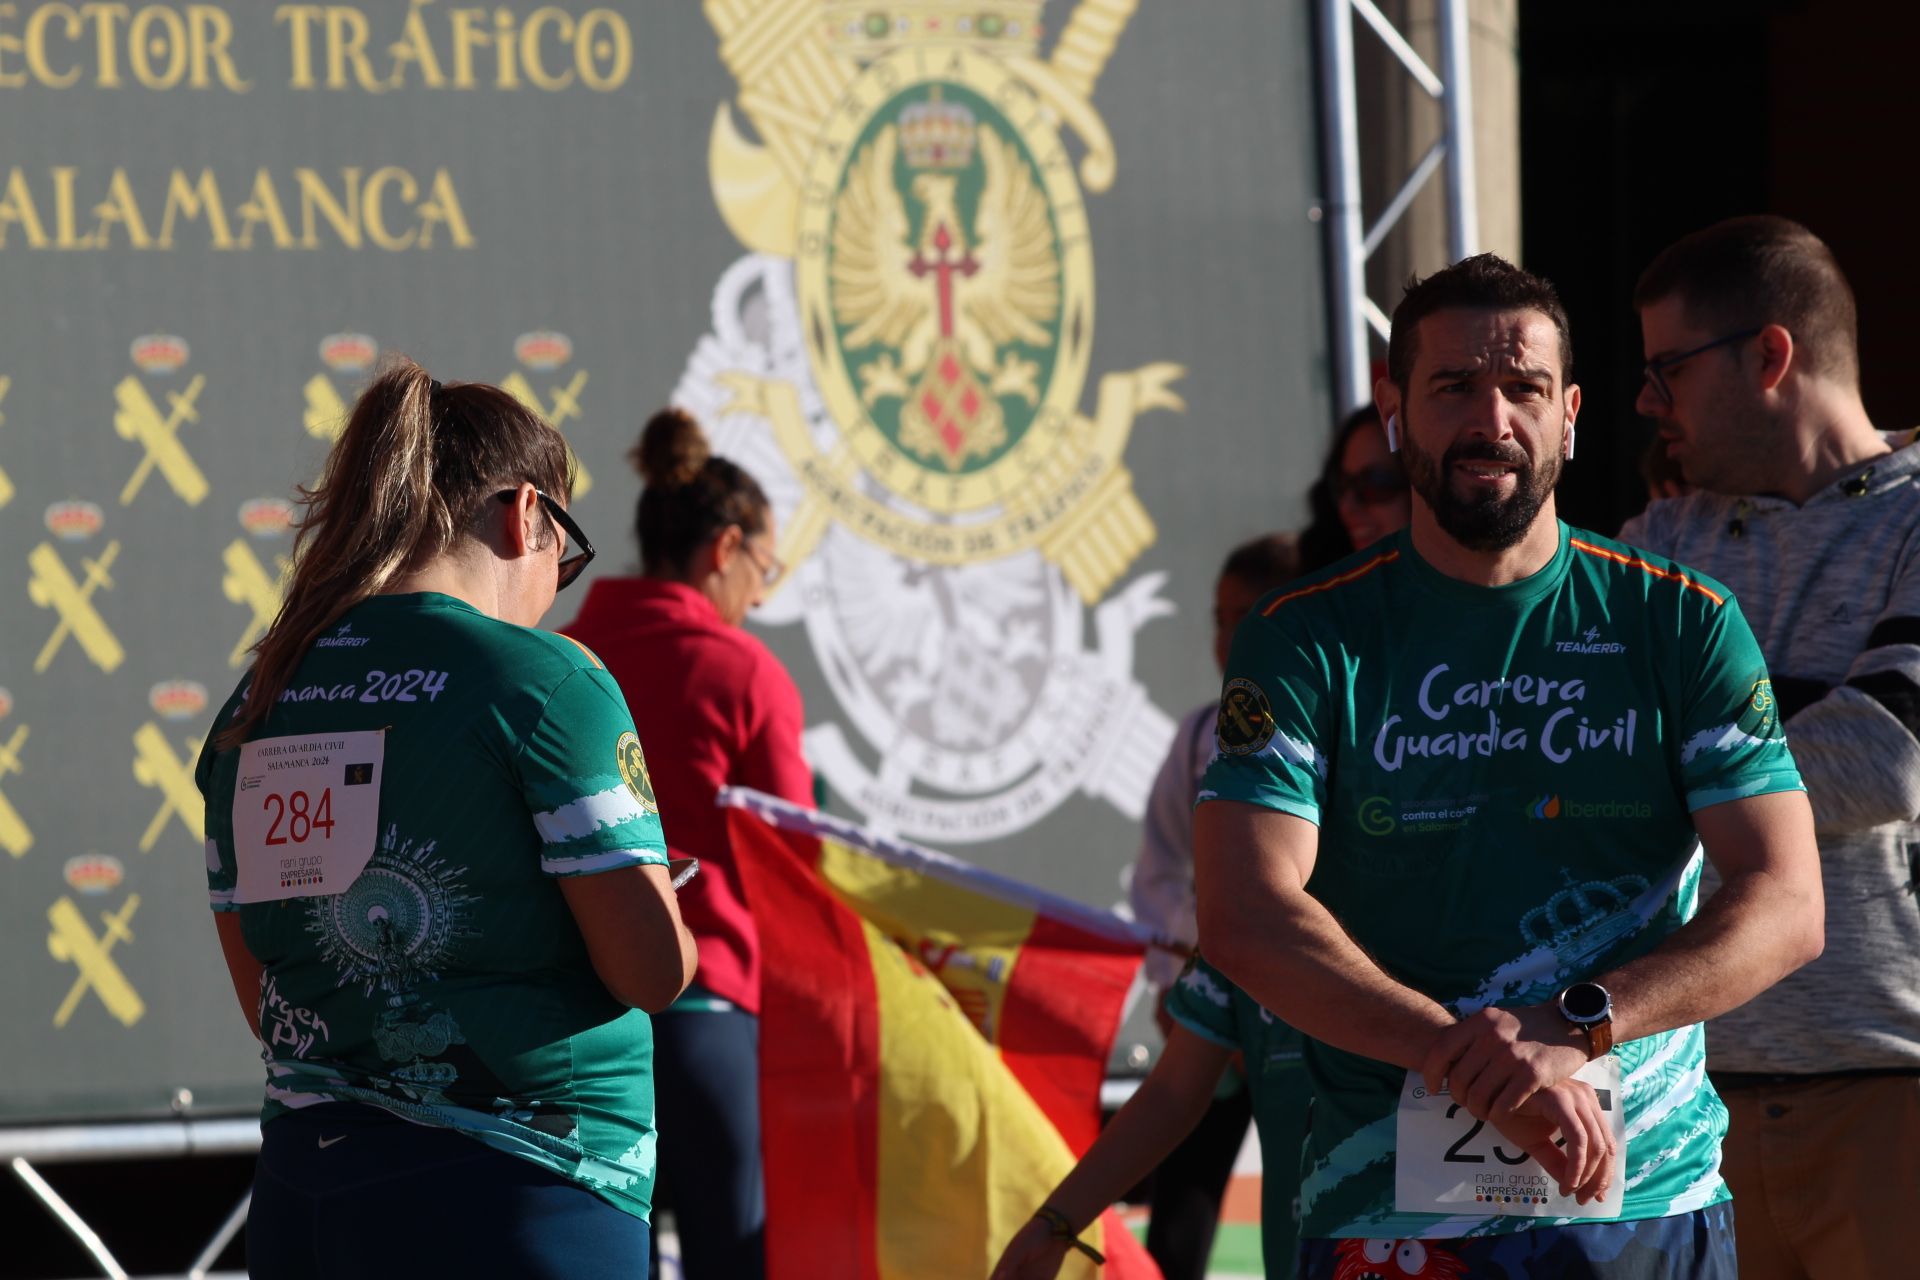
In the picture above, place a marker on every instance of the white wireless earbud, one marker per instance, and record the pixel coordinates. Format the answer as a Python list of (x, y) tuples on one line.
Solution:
[(1393, 434), (1569, 439)]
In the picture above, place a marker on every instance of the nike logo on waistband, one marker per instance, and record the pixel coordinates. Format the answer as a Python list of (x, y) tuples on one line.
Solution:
[(327, 1142)]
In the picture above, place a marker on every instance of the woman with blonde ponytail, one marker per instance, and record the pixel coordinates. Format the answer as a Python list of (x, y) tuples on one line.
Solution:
[(436, 861), (716, 708)]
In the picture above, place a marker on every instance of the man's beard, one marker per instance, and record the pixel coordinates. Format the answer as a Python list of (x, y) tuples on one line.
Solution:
[(1489, 522)]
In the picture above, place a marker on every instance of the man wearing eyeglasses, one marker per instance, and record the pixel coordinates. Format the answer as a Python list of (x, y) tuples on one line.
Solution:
[(1812, 517)]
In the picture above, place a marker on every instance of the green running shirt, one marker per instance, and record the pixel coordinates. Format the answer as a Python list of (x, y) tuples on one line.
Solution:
[(448, 983), (1503, 780)]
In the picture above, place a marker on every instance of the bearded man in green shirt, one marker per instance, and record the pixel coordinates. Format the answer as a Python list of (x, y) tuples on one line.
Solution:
[(1453, 831)]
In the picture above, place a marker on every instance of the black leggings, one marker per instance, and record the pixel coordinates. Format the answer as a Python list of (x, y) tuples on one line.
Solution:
[(706, 1088), (347, 1191)]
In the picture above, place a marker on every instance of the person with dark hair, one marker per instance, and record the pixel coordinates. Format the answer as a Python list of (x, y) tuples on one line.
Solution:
[(1452, 834), (1813, 517), (1360, 497), (716, 709), (1188, 1186), (441, 886)]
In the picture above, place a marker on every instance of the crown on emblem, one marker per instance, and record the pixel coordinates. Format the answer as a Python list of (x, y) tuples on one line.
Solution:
[(936, 134), (543, 349), (74, 521), (266, 517), (348, 352), (178, 699), (93, 873), (159, 352), (1577, 908), (868, 30)]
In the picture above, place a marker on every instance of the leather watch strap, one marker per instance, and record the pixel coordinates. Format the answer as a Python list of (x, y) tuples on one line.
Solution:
[(1599, 1038)]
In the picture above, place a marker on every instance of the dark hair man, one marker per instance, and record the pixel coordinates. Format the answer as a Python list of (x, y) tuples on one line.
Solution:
[(1450, 834), (1813, 518)]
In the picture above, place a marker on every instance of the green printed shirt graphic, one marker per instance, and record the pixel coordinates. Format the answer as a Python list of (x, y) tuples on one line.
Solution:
[(1207, 1003), (447, 983), (1504, 780)]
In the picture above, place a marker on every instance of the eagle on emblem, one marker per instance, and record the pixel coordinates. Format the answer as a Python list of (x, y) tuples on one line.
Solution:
[(951, 304)]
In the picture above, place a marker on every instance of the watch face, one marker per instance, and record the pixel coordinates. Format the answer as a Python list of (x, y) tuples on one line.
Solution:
[(1584, 1001)]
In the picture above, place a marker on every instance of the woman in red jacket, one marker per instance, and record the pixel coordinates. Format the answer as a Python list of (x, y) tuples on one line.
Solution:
[(715, 708)]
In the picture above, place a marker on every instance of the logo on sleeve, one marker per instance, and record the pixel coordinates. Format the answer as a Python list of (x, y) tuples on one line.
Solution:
[(1245, 725), (633, 771), (1760, 718)]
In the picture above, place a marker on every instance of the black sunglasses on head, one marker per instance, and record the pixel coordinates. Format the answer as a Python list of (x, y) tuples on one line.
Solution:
[(1371, 486), (570, 568)]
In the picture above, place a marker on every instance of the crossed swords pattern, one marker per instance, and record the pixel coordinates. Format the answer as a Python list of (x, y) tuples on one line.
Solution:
[(53, 586), (72, 941), (246, 581)]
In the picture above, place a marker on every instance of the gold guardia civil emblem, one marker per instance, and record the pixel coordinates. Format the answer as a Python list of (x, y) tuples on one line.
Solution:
[(910, 163)]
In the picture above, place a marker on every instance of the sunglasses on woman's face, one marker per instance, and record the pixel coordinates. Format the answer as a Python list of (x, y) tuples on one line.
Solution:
[(1371, 486), (571, 566)]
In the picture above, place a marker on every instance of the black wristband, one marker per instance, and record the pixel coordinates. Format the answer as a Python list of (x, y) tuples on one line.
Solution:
[(1060, 1228)]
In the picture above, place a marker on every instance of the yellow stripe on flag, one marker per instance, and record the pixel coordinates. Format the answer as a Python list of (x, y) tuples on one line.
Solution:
[(965, 1152), (972, 949)]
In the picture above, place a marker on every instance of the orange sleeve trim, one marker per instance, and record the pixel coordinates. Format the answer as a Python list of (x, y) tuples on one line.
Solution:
[(591, 656), (1338, 580), (1652, 570)]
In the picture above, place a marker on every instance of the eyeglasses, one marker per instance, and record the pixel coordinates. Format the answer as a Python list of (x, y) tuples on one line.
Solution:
[(571, 566), (1654, 371), (772, 571), (1370, 486)]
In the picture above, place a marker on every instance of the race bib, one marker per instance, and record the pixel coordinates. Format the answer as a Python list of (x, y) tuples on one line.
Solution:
[(306, 813), (1448, 1162)]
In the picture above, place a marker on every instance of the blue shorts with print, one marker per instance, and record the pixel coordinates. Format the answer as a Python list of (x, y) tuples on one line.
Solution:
[(1687, 1246)]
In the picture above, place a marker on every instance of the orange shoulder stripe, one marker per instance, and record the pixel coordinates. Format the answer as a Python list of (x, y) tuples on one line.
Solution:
[(591, 657), (1338, 580), (1635, 562)]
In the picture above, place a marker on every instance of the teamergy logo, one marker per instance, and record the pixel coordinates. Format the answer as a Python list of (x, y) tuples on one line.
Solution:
[(1589, 642), (341, 639), (1548, 807)]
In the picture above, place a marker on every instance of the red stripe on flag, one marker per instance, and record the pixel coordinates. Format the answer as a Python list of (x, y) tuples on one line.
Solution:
[(1057, 1024), (820, 1171)]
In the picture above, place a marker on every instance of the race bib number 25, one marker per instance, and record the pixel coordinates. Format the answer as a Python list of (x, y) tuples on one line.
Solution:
[(1448, 1162), (306, 813)]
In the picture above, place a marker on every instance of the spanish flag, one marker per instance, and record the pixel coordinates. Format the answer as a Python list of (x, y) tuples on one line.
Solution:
[(932, 1042)]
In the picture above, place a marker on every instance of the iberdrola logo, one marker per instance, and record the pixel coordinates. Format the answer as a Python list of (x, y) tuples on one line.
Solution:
[(903, 360), (1547, 806)]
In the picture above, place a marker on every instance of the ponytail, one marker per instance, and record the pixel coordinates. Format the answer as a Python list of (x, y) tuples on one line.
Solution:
[(690, 495), (403, 484)]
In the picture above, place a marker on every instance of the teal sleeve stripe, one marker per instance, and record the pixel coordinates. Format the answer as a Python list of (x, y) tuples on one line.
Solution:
[(586, 816), (607, 860)]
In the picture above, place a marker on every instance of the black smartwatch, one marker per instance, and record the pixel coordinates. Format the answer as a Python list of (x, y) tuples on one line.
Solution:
[(1588, 1005)]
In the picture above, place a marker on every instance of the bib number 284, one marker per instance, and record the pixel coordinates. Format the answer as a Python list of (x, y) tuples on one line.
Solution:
[(306, 813), (300, 815)]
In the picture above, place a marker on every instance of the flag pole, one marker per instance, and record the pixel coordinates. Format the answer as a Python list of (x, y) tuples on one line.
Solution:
[(941, 866)]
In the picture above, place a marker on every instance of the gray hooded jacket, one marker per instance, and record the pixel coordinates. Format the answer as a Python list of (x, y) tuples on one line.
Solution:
[(1832, 590)]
